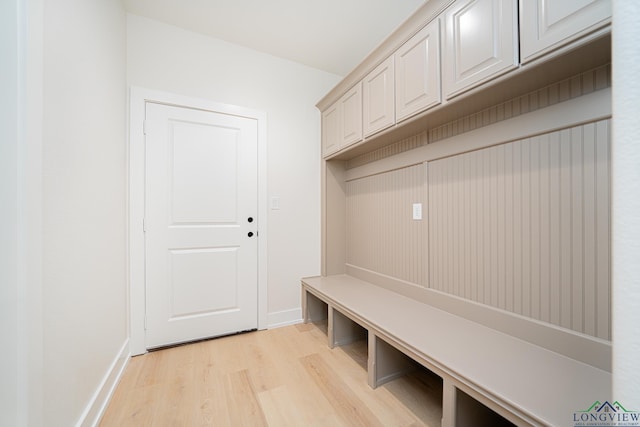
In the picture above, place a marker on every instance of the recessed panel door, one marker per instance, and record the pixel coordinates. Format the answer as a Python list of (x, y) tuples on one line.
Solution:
[(378, 98), (418, 72), (480, 43), (548, 24), (200, 224)]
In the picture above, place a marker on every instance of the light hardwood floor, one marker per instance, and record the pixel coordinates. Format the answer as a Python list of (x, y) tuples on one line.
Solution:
[(279, 377)]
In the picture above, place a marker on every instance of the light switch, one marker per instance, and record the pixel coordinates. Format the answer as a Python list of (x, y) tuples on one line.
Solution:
[(275, 203), (417, 211)]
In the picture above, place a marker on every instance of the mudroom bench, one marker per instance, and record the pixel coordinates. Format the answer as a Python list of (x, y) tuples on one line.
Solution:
[(484, 372)]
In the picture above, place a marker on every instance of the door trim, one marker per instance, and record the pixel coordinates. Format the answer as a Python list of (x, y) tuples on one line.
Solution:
[(138, 97)]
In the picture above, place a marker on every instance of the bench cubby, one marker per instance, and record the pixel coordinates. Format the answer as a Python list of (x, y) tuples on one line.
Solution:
[(315, 309), (342, 330), (471, 413), (487, 376)]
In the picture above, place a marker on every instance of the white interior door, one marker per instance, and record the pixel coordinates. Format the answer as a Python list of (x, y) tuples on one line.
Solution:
[(200, 224)]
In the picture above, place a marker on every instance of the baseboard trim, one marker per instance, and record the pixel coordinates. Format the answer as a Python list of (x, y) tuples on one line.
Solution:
[(284, 318), (98, 404)]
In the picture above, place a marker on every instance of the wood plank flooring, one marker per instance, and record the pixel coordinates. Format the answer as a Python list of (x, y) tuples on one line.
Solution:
[(279, 377)]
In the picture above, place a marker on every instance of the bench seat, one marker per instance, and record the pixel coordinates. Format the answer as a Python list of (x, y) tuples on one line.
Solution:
[(525, 383)]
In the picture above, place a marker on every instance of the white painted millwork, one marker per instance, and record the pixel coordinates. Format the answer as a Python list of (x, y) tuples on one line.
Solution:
[(515, 239), (418, 72), (475, 49), (378, 98), (342, 122), (480, 43), (548, 24), (201, 190), (524, 227), (351, 116), (513, 169), (524, 383), (331, 129)]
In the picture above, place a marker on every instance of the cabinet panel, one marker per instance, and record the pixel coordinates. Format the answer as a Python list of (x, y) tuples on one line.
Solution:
[(351, 116), (378, 98), (418, 72), (342, 122), (548, 24), (480, 42), (330, 130)]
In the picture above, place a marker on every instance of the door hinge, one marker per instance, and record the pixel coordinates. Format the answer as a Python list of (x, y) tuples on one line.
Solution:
[(145, 322), (144, 226), (144, 127)]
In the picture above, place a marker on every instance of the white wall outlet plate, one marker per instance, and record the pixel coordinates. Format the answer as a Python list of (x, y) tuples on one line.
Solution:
[(417, 211)]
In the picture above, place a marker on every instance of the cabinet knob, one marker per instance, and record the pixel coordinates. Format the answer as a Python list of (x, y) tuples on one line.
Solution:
[(250, 234)]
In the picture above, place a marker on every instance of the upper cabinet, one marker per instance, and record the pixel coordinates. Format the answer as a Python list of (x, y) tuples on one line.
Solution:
[(331, 130), (480, 42), (423, 74), (378, 96), (548, 24), (342, 122), (418, 72), (351, 116)]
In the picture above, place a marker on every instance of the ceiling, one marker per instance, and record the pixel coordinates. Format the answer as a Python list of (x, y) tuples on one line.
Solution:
[(330, 35)]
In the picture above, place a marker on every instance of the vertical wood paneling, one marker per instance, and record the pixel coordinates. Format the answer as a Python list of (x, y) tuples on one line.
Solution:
[(564, 90), (525, 190), (565, 229), (603, 231), (493, 226), (589, 221), (545, 229), (534, 259), (577, 261), (524, 227), (468, 278), (401, 146), (499, 223), (485, 236), (517, 227), (381, 234), (450, 228), (554, 228), (508, 226), (587, 82)]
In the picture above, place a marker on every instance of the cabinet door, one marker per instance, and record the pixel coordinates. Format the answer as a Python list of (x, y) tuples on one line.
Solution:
[(331, 130), (548, 24), (351, 116), (480, 42), (418, 72), (378, 98)]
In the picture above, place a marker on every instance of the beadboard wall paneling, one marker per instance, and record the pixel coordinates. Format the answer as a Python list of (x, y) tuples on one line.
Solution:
[(525, 227), (390, 150), (574, 87), (381, 234)]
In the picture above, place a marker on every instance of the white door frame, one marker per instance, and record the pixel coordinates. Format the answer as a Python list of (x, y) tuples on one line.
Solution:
[(136, 248)]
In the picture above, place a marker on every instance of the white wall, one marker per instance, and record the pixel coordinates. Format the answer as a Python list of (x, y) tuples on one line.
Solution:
[(166, 58), (20, 213), (9, 68), (84, 201), (626, 203)]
